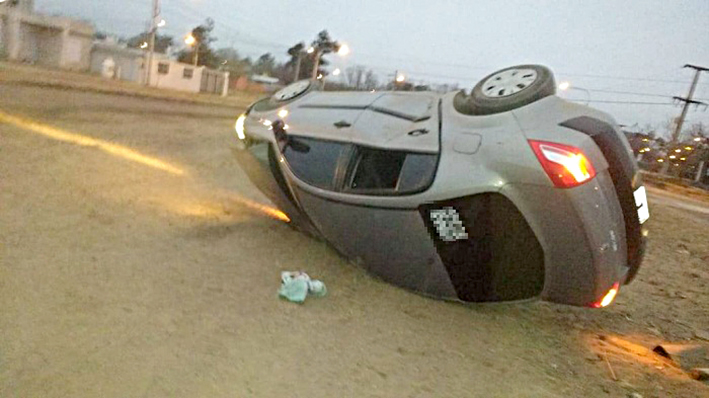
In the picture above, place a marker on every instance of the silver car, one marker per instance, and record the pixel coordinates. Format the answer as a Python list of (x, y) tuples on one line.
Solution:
[(506, 193)]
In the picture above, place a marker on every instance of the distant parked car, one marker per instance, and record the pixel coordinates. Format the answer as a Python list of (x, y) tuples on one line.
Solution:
[(506, 193)]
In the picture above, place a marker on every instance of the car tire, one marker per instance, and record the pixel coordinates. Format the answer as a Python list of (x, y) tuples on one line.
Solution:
[(508, 89)]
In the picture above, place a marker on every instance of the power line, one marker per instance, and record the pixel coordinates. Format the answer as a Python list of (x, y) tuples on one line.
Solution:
[(280, 46), (627, 78), (630, 93), (625, 102), (249, 39)]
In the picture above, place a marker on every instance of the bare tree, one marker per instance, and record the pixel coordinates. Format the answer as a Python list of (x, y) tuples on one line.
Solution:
[(355, 76), (370, 80), (264, 65), (698, 130), (667, 128), (649, 130)]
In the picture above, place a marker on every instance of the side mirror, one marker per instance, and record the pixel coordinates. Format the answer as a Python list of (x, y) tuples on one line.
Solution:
[(279, 131)]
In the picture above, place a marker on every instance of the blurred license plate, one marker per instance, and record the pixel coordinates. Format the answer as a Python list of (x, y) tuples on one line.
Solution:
[(641, 204)]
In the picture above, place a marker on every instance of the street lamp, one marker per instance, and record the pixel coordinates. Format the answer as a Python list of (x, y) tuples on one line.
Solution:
[(563, 86), (400, 78), (192, 41), (162, 23), (144, 45), (336, 72), (341, 49)]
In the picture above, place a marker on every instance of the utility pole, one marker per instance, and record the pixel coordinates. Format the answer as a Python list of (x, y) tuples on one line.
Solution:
[(688, 100), (195, 55), (297, 66), (151, 42), (316, 62)]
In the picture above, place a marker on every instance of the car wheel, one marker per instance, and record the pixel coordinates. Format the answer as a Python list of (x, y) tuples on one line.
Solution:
[(510, 88)]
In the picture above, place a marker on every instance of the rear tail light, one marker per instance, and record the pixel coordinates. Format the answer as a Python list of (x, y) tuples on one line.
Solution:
[(567, 166)]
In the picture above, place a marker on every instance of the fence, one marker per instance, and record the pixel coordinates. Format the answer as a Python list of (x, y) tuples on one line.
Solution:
[(214, 82)]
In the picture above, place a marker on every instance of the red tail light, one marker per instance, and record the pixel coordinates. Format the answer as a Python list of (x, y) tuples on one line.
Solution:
[(567, 166), (608, 297)]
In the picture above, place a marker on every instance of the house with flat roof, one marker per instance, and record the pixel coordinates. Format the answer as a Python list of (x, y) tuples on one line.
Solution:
[(52, 41), (116, 61)]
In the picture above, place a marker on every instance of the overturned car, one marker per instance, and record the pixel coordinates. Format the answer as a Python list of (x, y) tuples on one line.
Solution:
[(506, 193)]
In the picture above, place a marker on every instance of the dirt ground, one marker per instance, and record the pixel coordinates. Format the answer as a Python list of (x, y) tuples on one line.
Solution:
[(123, 278)]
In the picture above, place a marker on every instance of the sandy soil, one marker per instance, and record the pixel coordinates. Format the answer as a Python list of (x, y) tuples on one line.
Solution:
[(122, 280)]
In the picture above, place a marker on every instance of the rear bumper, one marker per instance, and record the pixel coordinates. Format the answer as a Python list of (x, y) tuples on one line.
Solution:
[(583, 236), (640, 254)]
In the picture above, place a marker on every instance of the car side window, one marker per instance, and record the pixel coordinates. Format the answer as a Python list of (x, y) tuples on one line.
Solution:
[(314, 161), (377, 169), (386, 172), (417, 172)]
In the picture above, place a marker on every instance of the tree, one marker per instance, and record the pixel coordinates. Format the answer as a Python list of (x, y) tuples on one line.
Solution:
[(698, 130), (355, 76), (202, 35), (264, 65), (360, 78), (649, 130), (298, 54), (99, 35), (162, 42), (230, 61), (300, 65), (323, 45), (667, 128), (370, 80)]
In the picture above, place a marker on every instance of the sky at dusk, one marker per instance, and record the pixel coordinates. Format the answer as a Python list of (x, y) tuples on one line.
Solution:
[(607, 49)]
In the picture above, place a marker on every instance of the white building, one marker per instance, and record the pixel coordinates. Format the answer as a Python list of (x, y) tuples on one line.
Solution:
[(170, 74), (117, 61), (113, 60), (175, 75), (42, 39)]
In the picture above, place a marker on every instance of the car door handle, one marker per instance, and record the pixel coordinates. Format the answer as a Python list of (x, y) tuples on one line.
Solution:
[(342, 124)]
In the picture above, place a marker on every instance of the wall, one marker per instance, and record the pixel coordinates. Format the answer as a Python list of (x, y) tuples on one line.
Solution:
[(174, 78), (3, 35), (128, 63), (46, 40), (215, 82), (75, 51), (26, 5), (48, 46), (27, 48)]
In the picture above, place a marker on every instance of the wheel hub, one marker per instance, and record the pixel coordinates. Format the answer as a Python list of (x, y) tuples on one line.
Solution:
[(508, 82)]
